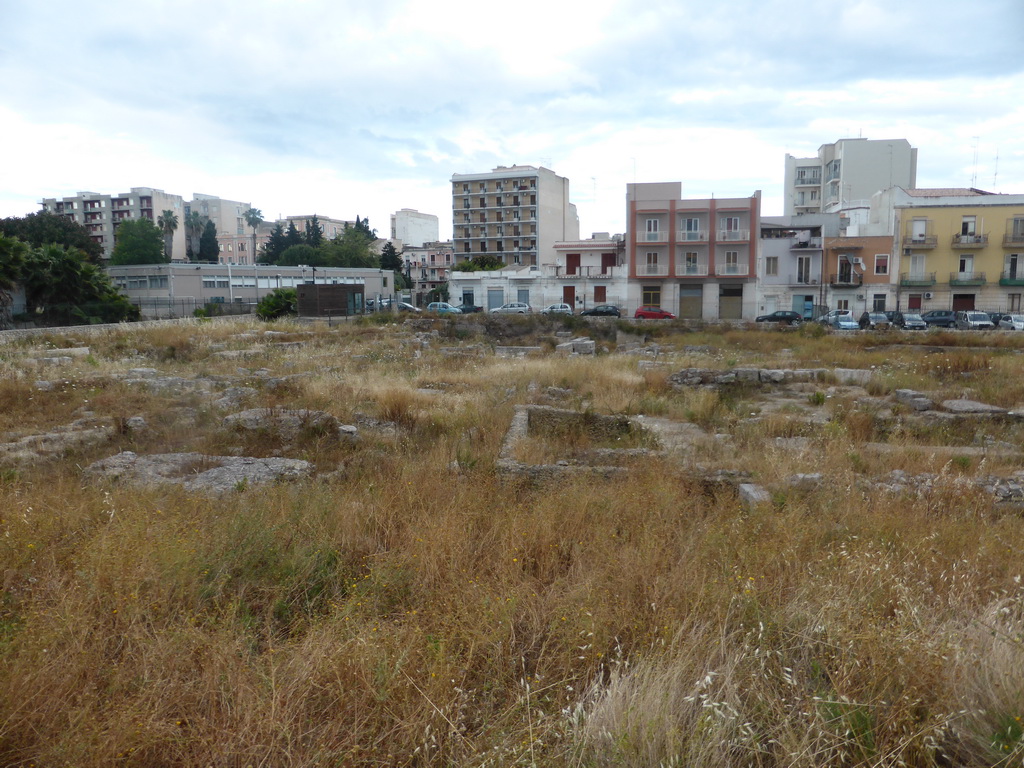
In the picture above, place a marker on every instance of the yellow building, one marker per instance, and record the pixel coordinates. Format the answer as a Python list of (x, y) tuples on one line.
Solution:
[(959, 248)]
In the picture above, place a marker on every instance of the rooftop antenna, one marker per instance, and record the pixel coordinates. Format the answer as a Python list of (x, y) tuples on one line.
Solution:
[(974, 175), (995, 175)]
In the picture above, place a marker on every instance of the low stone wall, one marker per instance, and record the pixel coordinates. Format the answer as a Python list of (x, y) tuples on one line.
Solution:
[(693, 377)]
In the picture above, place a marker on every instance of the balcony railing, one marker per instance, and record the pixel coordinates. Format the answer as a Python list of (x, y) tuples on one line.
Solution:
[(734, 234), (969, 241), (1012, 277), (698, 236), (591, 272), (732, 269), (812, 244), (851, 280), (1013, 239), (691, 270), (917, 279), (652, 270), (967, 278), (808, 181), (654, 237), (920, 241)]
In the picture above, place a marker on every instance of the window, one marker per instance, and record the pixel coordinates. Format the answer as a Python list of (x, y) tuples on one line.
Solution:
[(771, 266), (732, 262), (690, 228), (651, 295), (881, 263), (1014, 302), (803, 270), (651, 263), (967, 224), (483, 202), (878, 302), (692, 265), (967, 264), (241, 247), (652, 230), (814, 195), (842, 303)]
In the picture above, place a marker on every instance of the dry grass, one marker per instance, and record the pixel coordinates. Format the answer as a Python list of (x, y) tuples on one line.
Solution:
[(396, 611)]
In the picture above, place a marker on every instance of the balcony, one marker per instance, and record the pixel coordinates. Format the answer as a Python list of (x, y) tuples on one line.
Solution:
[(967, 278), (969, 241), (700, 269), (1012, 278), (920, 241), (917, 279), (653, 237), (652, 270), (698, 236), (732, 270), (734, 234), (593, 272), (808, 181), (852, 280), (797, 280), (813, 243), (1013, 240)]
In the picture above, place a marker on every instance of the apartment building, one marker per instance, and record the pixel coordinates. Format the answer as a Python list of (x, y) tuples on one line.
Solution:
[(101, 213), (234, 237), (959, 248), (845, 171), (413, 228), (861, 273), (513, 213), (429, 265), (696, 258), (791, 269)]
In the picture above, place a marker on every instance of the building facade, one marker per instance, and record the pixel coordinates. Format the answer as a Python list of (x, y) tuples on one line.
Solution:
[(696, 258), (428, 267), (845, 171), (515, 214), (414, 229), (234, 237), (101, 214), (177, 290), (791, 269)]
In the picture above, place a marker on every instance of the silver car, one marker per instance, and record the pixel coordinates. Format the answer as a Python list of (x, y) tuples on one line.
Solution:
[(557, 309), (512, 308), (1012, 322), (968, 320)]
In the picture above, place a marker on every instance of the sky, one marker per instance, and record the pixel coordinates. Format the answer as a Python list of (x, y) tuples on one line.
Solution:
[(362, 108)]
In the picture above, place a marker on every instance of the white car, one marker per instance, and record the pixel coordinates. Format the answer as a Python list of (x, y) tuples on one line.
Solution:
[(557, 309), (512, 308), (832, 317), (1012, 322)]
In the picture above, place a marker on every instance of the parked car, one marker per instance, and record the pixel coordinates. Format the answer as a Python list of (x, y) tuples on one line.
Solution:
[(469, 308), (1012, 322), (909, 321), (403, 306), (781, 316), (653, 313), (995, 317), (874, 321), (513, 308), (845, 323), (940, 318), (602, 310), (830, 317), (557, 309), (443, 308), (967, 320)]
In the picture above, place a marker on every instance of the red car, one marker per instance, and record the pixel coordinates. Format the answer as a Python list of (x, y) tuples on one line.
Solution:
[(654, 313)]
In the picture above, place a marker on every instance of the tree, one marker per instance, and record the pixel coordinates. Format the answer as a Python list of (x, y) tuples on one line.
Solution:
[(279, 302), (364, 227), (137, 241), (390, 258), (195, 223), (209, 248), (350, 249), (482, 262), (253, 217), (168, 223), (293, 236), (44, 228), (314, 232), (275, 245), (12, 261), (299, 255)]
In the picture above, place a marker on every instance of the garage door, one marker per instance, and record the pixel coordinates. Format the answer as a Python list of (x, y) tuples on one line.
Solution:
[(730, 302), (691, 302)]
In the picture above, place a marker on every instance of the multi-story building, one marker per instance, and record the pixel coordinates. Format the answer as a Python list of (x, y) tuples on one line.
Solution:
[(845, 171), (515, 214), (792, 272), (860, 273), (101, 213), (330, 228), (959, 248), (234, 237), (412, 228), (696, 258), (428, 266), (582, 273)]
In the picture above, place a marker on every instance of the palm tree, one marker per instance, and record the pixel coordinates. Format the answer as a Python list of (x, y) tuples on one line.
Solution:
[(253, 217), (168, 222), (12, 260), (195, 223)]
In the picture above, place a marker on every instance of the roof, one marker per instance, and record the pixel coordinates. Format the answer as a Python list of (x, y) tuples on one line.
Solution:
[(947, 192)]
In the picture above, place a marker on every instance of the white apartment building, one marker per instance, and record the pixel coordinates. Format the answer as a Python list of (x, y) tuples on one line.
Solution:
[(846, 171), (414, 229), (514, 213), (101, 213), (234, 237)]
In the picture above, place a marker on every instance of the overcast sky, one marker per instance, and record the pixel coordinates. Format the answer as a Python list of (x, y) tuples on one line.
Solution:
[(344, 108)]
